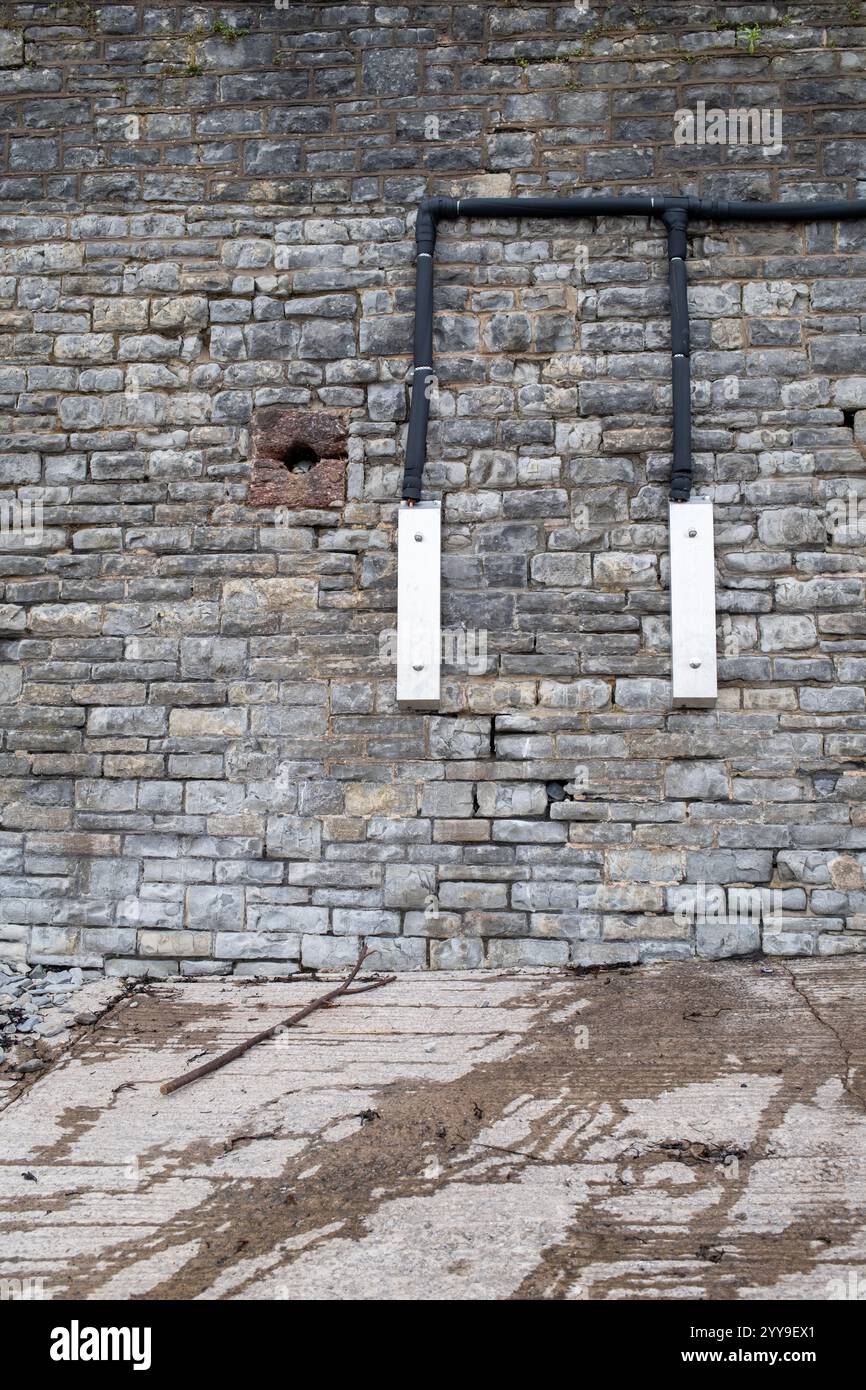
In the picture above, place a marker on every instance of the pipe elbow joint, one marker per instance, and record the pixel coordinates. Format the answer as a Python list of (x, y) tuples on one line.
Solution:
[(430, 210), (425, 225)]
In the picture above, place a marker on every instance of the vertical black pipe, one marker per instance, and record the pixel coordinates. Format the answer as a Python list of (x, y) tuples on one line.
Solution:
[(676, 221), (419, 410), (422, 375)]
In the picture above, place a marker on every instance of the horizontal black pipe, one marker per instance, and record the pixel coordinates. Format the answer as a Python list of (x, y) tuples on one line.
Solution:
[(654, 205), (674, 210), (551, 207), (834, 210)]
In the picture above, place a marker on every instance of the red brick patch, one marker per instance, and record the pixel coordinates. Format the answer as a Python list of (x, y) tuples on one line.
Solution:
[(299, 459)]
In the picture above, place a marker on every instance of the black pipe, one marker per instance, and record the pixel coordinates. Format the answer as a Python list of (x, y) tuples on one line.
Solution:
[(833, 210), (675, 211), (654, 205), (677, 220), (554, 207), (422, 374), (422, 377)]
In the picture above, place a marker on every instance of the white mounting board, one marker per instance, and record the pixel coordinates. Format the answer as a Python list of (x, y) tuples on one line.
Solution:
[(419, 636), (693, 603)]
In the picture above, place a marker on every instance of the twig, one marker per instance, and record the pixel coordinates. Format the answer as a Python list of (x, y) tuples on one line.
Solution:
[(243, 1047)]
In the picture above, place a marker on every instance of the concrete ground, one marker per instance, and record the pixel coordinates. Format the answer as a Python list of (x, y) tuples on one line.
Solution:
[(677, 1131)]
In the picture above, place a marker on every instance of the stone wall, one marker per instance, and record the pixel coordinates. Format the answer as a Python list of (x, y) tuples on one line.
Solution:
[(206, 235)]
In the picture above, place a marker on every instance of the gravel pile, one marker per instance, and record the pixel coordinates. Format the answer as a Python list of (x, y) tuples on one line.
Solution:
[(38, 1008)]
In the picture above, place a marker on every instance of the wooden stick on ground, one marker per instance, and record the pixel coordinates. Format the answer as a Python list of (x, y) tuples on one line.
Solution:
[(323, 999)]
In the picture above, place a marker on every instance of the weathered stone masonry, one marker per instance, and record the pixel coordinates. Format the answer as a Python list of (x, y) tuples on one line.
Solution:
[(206, 221)]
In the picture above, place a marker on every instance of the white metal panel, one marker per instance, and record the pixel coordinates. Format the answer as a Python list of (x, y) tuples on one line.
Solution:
[(693, 603), (419, 638)]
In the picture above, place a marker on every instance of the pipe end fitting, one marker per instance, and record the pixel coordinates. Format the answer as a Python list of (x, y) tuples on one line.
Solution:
[(681, 487)]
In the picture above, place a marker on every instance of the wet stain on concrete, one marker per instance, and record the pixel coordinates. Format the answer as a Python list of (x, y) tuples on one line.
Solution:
[(686, 1150)]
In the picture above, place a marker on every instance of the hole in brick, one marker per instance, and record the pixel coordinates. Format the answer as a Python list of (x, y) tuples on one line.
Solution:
[(848, 418), (300, 458)]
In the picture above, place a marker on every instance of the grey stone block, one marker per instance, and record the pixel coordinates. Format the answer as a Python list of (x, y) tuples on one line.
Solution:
[(456, 955), (715, 941), (264, 946), (329, 952), (511, 954), (699, 779), (409, 885), (218, 909), (347, 921)]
